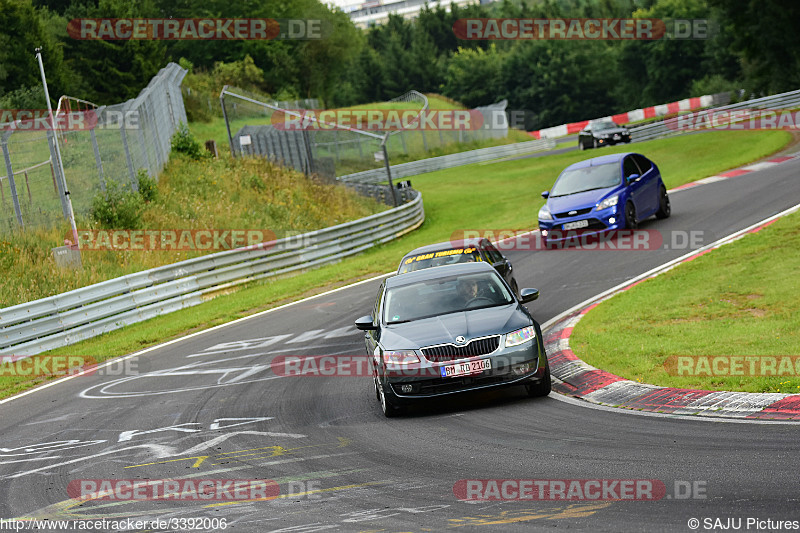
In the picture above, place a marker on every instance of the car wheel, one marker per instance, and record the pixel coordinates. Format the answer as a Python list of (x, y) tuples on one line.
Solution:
[(543, 387), (664, 208), (630, 216), (388, 406)]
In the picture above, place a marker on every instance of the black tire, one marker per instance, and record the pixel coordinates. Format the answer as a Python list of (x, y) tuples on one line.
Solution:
[(630, 216), (389, 406), (664, 207), (543, 387)]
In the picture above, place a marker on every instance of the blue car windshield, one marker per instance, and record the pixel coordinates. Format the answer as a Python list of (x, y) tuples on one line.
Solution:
[(587, 179)]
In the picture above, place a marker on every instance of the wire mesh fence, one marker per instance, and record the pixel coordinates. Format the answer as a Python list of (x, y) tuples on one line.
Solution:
[(332, 143), (104, 143)]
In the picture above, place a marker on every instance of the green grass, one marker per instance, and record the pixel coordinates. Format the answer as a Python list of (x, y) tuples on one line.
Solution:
[(249, 194), (501, 195), (738, 300)]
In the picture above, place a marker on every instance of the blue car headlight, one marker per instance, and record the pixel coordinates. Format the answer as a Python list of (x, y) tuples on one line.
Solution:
[(515, 338), (544, 213), (611, 201)]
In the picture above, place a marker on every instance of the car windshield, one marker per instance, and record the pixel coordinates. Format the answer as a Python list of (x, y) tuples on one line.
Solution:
[(587, 179), (441, 296), (439, 258), (600, 125)]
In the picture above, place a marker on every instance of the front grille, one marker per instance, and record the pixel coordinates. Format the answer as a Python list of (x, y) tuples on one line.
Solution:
[(567, 214), (451, 352), (595, 224)]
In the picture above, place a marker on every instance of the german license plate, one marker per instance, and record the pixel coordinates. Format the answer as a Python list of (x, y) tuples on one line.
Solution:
[(616, 136), (466, 368), (577, 224)]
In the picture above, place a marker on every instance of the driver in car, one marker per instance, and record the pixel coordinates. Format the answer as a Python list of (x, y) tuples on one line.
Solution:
[(468, 290)]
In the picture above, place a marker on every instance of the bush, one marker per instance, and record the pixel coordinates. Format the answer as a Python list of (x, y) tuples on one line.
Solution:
[(117, 208), (186, 143), (148, 188)]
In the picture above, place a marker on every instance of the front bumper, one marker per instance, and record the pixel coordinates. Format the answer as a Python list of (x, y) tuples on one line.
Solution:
[(599, 222), (502, 373)]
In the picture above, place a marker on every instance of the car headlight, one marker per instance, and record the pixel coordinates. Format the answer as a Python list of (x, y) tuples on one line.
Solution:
[(515, 338), (544, 213), (400, 357), (611, 201)]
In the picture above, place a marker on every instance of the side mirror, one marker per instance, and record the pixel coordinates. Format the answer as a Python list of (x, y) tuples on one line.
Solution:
[(546, 195), (528, 295), (630, 179), (365, 324)]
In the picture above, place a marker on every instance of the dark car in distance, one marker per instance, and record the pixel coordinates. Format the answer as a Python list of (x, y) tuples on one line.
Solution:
[(459, 251), (602, 132), (450, 329)]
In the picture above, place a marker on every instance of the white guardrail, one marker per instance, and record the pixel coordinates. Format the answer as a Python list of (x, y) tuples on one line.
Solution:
[(56, 321), (41, 325), (678, 125), (432, 164)]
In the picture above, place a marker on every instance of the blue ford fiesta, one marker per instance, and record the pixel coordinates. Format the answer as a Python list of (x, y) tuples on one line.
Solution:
[(601, 194)]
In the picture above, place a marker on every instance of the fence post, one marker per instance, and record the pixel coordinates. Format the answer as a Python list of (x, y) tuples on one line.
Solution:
[(309, 155), (227, 123), (388, 171), (146, 156), (55, 167), (28, 186), (12, 185), (128, 159), (98, 161)]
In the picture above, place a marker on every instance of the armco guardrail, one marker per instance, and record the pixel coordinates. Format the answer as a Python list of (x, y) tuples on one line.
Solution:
[(41, 325), (432, 164), (672, 126)]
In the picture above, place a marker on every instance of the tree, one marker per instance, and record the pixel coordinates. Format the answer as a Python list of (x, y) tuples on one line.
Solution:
[(23, 31), (114, 70), (766, 36)]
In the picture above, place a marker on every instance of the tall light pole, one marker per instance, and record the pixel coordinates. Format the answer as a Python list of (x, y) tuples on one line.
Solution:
[(70, 213)]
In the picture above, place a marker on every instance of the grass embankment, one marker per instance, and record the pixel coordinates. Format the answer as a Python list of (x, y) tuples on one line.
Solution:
[(249, 194), (738, 300), (500, 195)]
